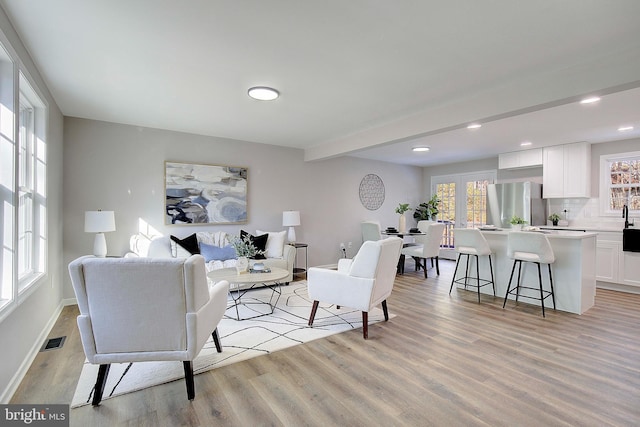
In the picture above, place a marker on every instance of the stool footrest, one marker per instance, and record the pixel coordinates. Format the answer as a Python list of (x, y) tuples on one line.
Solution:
[(461, 281), (514, 291)]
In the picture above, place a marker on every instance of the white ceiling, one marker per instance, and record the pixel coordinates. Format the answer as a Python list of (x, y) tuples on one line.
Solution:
[(370, 78)]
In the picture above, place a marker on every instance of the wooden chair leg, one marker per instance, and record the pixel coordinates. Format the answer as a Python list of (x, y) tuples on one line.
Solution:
[(437, 266), (216, 340), (365, 325), (385, 310), (425, 267), (314, 308), (188, 378), (98, 390)]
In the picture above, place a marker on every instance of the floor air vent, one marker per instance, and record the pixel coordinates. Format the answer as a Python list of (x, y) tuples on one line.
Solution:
[(53, 344)]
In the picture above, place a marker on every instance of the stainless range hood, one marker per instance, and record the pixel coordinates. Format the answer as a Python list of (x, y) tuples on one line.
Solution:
[(523, 199)]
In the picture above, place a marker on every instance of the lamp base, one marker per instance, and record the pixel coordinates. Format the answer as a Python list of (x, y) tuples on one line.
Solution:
[(100, 246), (291, 236)]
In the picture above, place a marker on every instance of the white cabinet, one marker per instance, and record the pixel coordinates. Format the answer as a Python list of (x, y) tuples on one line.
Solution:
[(520, 159), (566, 171), (630, 268), (613, 265), (607, 260)]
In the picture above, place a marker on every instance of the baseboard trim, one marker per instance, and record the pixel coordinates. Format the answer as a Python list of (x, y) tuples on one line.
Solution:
[(630, 289), (13, 385), (69, 301)]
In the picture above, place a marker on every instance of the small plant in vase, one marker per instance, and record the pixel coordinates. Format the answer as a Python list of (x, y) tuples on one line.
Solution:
[(244, 250), (401, 209), (517, 222), (554, 218)]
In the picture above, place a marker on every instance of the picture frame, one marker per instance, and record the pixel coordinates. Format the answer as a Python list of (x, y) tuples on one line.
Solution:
[(205, 194)]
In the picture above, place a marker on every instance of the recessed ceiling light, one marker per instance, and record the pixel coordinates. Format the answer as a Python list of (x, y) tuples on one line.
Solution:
[(263, 93), (525, 143), (421, 148), (474, 126), (590, 100), (625, 128)]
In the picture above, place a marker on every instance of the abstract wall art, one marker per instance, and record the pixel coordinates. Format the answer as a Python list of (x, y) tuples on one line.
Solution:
[(205, 194), (371, 192)]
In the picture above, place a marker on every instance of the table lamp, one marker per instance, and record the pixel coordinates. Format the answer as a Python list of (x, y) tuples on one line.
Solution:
[(99, 222), (291, 219)]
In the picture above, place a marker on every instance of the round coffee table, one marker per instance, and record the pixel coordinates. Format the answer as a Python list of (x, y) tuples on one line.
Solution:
[(240, 284)]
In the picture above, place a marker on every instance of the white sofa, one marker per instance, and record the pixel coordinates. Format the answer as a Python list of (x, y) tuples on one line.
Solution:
[(160, 247)]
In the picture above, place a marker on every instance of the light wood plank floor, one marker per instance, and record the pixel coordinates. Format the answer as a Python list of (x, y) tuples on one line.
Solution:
[(443, 360)]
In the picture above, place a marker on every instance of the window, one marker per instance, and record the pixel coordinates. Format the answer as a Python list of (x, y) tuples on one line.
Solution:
[(620, 182), (23, 236)]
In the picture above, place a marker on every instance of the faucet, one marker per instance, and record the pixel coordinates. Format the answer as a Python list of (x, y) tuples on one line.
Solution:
[(625, 215)]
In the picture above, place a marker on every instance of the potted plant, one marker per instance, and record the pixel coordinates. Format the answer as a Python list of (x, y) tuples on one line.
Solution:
[(401, 209), (554, 218), (517, 222), (244, 250), (427, 210)]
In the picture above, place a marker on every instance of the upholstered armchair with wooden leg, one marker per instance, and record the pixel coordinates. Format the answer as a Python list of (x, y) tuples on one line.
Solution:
[(145, 309), (361, 283)]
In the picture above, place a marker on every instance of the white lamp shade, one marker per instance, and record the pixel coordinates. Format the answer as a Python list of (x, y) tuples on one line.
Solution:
[(290, 218), (99, 221)]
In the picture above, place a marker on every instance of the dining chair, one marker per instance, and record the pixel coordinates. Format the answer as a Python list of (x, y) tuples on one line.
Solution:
[(370, 230), (428, 247)]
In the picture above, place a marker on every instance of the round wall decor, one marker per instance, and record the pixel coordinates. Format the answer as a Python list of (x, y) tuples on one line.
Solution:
[(371, 192)]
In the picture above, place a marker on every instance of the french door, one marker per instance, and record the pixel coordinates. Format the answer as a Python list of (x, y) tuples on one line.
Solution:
[(463, 204)]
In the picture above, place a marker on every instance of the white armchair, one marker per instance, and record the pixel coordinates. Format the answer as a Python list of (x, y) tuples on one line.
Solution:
[(145, 309), (361, 283)]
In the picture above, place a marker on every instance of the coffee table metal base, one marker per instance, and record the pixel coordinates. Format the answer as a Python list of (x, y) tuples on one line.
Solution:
[(237, 301)]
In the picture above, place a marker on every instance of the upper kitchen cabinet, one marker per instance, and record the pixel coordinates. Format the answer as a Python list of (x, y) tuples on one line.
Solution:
[(566, 171), (520, 159)]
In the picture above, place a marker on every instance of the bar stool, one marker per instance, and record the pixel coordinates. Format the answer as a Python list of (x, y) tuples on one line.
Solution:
[(535, 248), (471, 242)]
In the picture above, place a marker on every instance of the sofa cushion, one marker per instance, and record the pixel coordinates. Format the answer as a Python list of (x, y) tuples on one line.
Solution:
[(260, 242), (275, 243), (184, 248), (212, 252)]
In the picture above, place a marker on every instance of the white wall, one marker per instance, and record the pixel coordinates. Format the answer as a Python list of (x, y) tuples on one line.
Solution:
[(23, 331), (121, 168)]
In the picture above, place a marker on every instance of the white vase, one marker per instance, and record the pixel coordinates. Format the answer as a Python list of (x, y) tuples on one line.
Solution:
[(402, 227), (516, 227), (242, 265)]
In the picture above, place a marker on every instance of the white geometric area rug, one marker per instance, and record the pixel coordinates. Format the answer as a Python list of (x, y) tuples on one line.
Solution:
[(241, 340)]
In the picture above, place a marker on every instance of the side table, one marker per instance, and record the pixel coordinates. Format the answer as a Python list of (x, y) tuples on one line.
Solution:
[(296, 269)]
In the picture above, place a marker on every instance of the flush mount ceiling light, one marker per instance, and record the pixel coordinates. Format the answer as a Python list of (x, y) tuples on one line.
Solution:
[(525, 143), (625, 128), (590, 100), (419, 149), (474, 126), (263, 93)]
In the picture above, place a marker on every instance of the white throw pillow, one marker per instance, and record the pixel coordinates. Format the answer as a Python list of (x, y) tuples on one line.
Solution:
[(275, 243)]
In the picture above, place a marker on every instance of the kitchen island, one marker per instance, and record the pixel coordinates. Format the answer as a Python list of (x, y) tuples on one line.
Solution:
[(574, 271)]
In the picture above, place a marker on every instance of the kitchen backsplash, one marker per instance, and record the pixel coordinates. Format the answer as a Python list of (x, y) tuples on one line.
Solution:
[(583, 213)]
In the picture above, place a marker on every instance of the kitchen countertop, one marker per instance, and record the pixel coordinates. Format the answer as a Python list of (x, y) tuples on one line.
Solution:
[(552, 234)]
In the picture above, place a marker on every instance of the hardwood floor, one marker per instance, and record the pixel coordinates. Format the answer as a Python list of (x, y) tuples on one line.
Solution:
[(443, 360)]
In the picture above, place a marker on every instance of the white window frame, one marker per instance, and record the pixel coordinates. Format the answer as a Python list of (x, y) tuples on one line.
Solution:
[(605, 182), (19, 278)]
